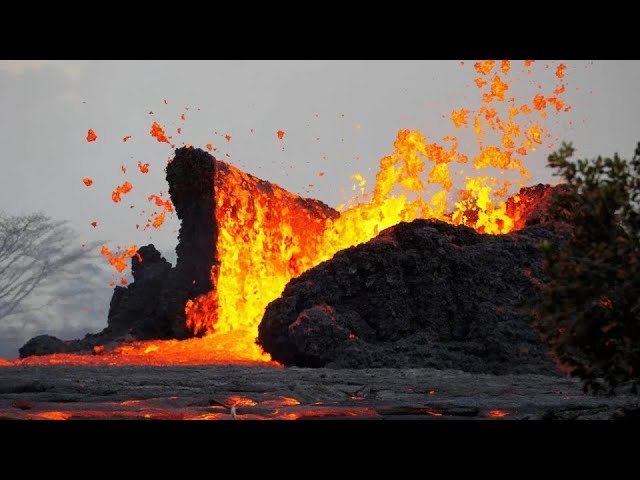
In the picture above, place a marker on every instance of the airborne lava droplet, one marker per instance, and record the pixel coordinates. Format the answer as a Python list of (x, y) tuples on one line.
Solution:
[(87, 181), (167, 207), (120, 190), (227, 138), (459, 117), (209, 146), (480, 82), (94, 224), (560, 70), (143, 167), (91, 136), (158, 133), (485, 67), (539, 103), (119, 261), (126, 138), (280, 134)]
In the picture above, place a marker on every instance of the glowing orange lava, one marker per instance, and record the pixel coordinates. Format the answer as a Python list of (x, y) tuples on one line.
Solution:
[(143, 167), (497, 414), (119, 261), (91, 136), (120, 190), (167, 207), (158, 133)]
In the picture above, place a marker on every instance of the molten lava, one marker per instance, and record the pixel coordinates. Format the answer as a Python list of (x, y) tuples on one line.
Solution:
[(119, 261), (120, 190), (91, 136)]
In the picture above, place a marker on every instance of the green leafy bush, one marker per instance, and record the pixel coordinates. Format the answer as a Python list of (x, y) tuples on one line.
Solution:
[(590, 315)]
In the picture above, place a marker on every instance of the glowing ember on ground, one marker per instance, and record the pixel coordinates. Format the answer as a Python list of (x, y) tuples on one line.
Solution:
[(238, 401), (53, 415), (497, 414), (431, 412), (281, 402)]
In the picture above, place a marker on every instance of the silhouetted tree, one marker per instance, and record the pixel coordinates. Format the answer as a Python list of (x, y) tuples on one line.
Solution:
[(590, 315), (33, 249)]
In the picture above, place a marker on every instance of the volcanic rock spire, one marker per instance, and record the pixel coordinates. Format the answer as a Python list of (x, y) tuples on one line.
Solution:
[(190, 176)]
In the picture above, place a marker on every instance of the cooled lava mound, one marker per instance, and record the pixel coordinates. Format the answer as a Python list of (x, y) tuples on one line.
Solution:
[(421, 294)]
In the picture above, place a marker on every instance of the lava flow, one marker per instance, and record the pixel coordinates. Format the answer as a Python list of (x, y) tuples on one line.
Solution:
[(267, 236)]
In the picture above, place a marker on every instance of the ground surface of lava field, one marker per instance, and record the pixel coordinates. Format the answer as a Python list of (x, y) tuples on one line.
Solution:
[(88, 392)]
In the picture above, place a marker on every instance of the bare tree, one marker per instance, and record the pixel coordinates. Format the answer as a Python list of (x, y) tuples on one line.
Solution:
[(33, 249)]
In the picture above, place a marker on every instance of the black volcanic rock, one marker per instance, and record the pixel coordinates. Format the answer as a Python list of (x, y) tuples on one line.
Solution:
[(134, 309), (191, 177), (421, 294), (42, 345)]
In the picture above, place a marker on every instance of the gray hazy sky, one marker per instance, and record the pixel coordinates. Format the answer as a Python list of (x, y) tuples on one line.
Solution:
[(47, 106)]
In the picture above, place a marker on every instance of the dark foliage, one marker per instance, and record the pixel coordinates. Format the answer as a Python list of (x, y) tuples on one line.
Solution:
[(590, 315)]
